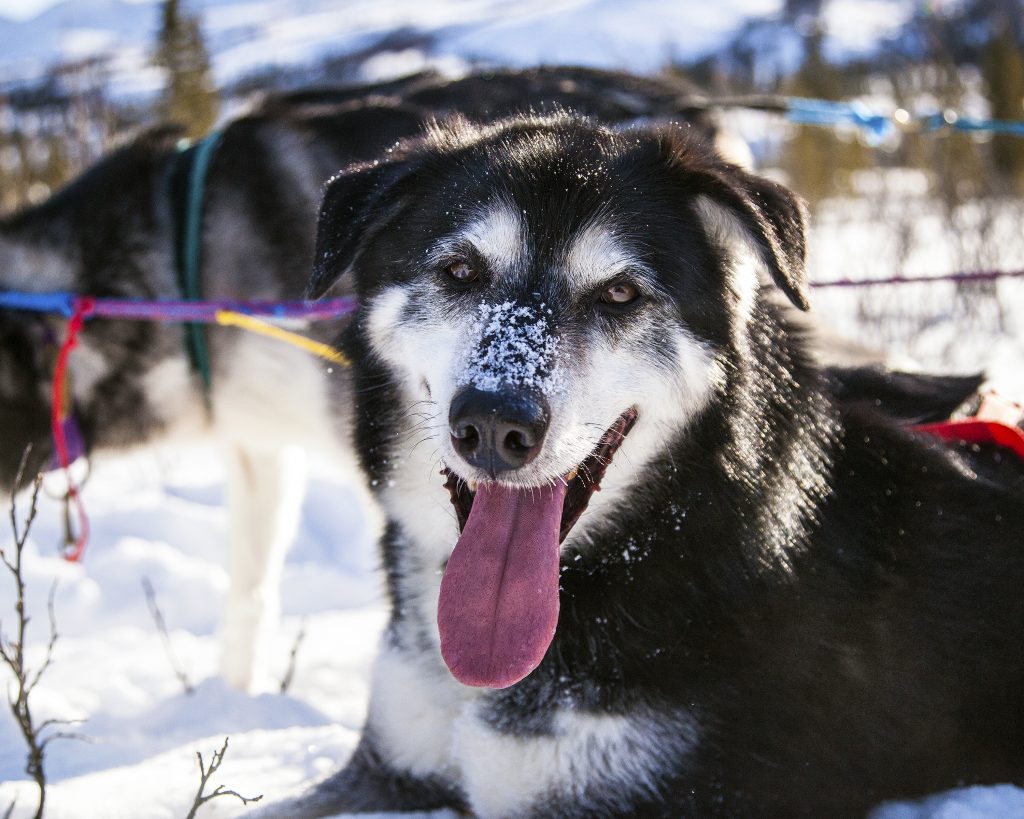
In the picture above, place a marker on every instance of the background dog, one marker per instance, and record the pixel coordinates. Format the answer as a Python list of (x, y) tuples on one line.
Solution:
[(115, 232), (780, 603)]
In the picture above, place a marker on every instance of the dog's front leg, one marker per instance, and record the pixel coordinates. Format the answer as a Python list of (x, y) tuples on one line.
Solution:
[(402, 761), (264, 499), (367, 784)]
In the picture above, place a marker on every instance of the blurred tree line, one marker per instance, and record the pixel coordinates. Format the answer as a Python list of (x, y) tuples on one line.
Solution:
[(52, 129), (968, 55), (964, 57), (190, 96)]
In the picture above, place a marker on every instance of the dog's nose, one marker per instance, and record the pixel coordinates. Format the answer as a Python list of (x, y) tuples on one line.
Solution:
[(496, 431)]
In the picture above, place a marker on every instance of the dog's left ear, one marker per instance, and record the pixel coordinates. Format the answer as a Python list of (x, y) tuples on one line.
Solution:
[(773, 216), (355, 201), (779, 219)]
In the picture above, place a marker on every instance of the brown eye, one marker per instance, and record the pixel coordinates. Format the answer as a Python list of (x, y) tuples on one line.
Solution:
[(461, 272), (620, 294)]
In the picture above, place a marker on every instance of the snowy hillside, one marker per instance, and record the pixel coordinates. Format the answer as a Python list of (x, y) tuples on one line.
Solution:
[(160, 517), (249, 35)]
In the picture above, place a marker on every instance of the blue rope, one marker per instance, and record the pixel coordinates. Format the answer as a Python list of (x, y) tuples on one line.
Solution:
[(878, 127), (51, 303), (827, 114), (936, 122)]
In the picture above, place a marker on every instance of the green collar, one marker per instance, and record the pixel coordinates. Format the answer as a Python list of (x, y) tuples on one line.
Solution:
[(189, 194)]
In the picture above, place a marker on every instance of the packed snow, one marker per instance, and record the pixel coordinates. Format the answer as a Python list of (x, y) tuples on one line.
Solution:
[(159, 516)]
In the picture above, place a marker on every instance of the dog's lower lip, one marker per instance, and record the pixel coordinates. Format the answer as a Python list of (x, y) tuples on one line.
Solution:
[(582, 481)]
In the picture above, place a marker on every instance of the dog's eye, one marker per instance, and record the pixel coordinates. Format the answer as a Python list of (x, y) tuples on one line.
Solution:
[(461, 272), (620, 294)]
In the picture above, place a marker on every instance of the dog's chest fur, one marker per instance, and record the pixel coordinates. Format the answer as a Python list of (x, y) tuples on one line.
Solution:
[(558, 737), (517, 753)]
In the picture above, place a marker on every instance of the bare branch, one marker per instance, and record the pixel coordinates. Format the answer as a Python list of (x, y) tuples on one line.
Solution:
[(201, 797), (48, 659), (21, 536), (12, 651), (63, 734), (289, 674), (220, 790), (161, 625), (50, 722)]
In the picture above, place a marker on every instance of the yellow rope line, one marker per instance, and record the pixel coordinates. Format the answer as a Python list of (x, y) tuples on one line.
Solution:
[(229, 318)]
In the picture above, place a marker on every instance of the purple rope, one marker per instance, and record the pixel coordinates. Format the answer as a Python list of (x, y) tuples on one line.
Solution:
[(176, 310), (206, 311), (977, 276)]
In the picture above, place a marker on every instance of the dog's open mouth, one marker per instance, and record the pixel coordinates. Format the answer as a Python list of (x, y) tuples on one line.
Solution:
[(499, 595)]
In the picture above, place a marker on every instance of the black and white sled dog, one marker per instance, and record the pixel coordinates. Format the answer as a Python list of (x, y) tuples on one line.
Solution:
[(116, 231), (778, 604)]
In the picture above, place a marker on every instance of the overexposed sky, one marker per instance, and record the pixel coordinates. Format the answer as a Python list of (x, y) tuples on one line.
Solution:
[(23, 9), (26, 9)]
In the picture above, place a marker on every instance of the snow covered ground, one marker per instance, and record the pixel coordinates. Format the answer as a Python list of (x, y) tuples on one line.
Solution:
[(159, 516), (935, 325)]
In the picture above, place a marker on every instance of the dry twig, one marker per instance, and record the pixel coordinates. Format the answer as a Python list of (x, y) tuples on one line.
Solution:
[(205, 773), (289, 674), (161, 626), (12, 651)]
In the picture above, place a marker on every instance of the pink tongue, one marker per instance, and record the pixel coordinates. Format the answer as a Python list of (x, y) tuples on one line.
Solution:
[(499, 594)]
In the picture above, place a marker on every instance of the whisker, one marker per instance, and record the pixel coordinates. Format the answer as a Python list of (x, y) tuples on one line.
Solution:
[(420, 429), (436, 461), (420, 441)]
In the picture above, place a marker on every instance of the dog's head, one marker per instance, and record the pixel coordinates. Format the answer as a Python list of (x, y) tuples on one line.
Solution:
[(550, 286)]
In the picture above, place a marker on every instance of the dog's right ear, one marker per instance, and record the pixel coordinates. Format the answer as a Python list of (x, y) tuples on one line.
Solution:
[(355, 201)]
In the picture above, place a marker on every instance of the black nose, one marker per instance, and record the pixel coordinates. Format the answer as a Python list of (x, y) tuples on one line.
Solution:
[(497, 431)]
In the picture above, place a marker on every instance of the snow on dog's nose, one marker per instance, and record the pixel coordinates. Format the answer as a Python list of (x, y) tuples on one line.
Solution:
[(517, 348), (499, 417)]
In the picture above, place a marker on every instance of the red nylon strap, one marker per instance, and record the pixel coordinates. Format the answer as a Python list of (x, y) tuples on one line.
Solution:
[(83, 307), (997, 422)]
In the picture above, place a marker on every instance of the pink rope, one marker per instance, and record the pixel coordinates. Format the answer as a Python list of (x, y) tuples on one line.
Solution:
[(84, 306)]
